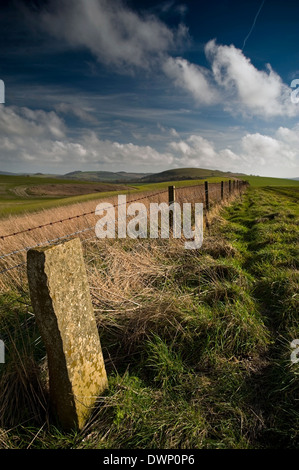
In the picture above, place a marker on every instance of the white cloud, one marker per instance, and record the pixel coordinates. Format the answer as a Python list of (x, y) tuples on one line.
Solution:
[(232, 82), (78, 111), (197, 151), (26, 122), (118, 36), (289, 136), (263, 152), (111, 31), (193, 78), (276, 155), (262, 93), (33, 140)]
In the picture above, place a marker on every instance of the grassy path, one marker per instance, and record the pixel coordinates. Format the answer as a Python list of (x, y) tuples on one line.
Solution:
[(196, 343), (265, 228)]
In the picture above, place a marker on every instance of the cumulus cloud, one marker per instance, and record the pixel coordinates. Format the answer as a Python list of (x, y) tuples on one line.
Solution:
[(193, 78), (256, 153), (233, 82), (27, 122), (259, 92), (262, 151), (111, 31), (118, 36), (196, 151), (35, 139)]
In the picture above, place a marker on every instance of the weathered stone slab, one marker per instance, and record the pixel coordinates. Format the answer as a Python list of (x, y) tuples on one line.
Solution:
[(62, 305)]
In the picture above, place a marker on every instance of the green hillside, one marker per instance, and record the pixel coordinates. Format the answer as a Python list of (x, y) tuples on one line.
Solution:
[(184, 174), (105, 176)]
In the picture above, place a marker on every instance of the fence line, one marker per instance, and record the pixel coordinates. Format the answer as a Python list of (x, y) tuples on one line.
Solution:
[(3, 237), (211, 192)]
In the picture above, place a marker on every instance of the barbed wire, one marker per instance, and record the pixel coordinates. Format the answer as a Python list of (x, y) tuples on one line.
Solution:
[(78, 232), (13, 267), (55, 240), (48, 224)]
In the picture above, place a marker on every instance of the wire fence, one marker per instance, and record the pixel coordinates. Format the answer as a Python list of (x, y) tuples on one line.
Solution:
[(22, 233)]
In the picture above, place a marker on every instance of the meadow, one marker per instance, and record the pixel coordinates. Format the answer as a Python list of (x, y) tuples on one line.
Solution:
[(27, 194), (21, 194), (196, 343)]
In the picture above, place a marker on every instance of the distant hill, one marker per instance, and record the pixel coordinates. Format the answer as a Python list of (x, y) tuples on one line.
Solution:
[(187, 174), (106, 176), (178, 174), (132, 177)]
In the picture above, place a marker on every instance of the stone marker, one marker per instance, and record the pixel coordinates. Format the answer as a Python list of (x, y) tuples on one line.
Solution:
[(62, 305)]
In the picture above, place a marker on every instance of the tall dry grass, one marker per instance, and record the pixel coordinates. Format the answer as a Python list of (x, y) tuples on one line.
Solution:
[(137, 290), (46, 235)]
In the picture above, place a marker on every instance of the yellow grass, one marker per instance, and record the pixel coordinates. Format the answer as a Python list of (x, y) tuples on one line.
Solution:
[(64, 229)]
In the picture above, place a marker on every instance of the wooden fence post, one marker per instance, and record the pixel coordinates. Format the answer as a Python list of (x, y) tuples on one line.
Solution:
[(207, 196), (222, 191), (64, 314), (229, 187)]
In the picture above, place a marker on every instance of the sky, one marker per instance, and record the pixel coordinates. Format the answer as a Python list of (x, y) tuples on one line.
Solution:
[(146, 86)]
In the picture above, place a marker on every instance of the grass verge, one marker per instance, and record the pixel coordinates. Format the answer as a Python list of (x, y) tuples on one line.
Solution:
[(196, 343)]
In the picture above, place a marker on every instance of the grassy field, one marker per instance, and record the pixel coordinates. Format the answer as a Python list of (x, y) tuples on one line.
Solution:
[(196, 343), (21, 194), (13, 201), (262, 181)]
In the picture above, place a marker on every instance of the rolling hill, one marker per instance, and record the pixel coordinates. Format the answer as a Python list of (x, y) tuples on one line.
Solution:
[(177, 174), (106, 176)]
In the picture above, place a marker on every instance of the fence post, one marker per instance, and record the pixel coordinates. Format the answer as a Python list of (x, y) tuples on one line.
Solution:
[(64, 314), (207, 196), (229, 187), (171, 200), (222, 191)]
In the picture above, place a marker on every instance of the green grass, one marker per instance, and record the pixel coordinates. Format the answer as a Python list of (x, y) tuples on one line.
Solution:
[(178, 184), (204, 362), (17, 205), (11, 204), (262, 181)]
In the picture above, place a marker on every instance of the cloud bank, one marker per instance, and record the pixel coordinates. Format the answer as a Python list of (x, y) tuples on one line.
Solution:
[(118, 36), (111, 31), (36, 140), (128, 41)]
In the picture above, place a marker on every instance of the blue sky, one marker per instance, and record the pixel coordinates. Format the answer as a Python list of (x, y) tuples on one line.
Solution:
[(146, 86)]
